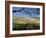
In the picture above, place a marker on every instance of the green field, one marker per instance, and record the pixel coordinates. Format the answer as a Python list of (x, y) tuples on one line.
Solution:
[(25, 26), (23, 23)]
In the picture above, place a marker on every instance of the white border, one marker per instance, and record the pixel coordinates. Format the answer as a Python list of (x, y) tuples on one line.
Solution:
[(27, 31)]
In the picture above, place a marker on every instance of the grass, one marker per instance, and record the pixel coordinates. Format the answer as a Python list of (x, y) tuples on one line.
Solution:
[(25, 26), (23, 23)]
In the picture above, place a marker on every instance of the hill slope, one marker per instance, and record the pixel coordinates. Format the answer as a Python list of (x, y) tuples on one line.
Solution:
[(24, 20)]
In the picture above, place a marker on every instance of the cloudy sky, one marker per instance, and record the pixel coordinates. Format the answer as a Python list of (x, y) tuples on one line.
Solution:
[(23, 11)]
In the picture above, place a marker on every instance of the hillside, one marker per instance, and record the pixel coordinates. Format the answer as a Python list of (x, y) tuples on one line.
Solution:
[(24, 20)]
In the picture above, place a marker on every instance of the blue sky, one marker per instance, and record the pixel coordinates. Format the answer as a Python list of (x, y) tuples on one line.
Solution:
[(18, 11)]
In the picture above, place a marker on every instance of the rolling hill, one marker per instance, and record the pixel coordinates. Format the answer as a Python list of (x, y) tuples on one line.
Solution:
[(25, 20)]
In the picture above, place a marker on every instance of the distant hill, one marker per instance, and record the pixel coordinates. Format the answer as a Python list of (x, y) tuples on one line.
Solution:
[(25, 20)]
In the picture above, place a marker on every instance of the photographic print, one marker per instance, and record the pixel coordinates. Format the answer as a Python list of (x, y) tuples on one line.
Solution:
[(24, 18)]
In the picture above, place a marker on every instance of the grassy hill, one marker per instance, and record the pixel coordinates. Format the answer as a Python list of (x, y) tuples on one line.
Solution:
[(25, 20), (25, 23)]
